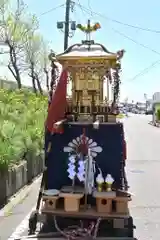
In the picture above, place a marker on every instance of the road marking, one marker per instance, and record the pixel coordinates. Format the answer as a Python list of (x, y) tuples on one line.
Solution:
[(23, 226), (18, 197)]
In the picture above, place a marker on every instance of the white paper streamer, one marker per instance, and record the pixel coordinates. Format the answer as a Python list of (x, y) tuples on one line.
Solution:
[(81, 171), (71, 167), (89, 173), (85, 172), (72, 159)]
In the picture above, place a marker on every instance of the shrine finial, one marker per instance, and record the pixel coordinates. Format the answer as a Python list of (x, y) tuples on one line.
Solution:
[(89, 29)]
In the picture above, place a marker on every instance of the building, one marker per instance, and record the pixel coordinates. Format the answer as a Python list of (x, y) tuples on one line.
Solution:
[(156, 105)]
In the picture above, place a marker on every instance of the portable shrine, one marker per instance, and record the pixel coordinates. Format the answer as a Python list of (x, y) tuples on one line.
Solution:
[(84, 178)]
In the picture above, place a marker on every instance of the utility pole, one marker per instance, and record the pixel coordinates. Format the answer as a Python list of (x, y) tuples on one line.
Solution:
[(67, 26), (66, 30)]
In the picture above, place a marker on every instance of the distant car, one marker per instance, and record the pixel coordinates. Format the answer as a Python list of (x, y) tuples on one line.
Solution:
[(149, 112), (134, 110), (122, 110), (143, 112)]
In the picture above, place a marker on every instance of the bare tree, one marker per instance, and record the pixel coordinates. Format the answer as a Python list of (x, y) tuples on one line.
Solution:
[(45, 63), (33, 48), (15, 29)]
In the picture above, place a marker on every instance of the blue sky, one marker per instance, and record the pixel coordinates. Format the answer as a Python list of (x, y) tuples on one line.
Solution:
[(140, 13)]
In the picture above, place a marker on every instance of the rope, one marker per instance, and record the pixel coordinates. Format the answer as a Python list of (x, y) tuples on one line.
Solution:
[(79, 232), (96, 228)]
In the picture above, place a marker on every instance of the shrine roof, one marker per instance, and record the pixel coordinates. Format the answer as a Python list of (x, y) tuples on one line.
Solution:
[(87, 51)]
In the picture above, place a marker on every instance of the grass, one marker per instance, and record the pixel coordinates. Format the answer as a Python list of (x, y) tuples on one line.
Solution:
[(21, 125)]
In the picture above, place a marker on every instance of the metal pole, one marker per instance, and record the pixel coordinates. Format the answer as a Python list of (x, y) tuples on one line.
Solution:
[(66, 31)]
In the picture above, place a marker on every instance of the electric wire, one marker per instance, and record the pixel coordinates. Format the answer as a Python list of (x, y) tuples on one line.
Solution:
[(136, 42), (84, 12), (117, 21), (89, 5), (52, 9), (123, 35), (144, 71), (91, 13)]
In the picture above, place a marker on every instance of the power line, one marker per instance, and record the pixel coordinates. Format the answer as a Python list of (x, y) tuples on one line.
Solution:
[(145, 70), (91, 12), (136, 42), (84, 12), (89, 5), (120, 33), (52, 9), (119, 22)]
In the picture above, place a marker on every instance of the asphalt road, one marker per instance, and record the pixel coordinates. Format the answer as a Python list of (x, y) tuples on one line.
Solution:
[(143, 167), (144, 175)]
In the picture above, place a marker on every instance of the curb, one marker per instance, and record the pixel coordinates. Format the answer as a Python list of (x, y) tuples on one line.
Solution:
[(154, 125), (18, 198)]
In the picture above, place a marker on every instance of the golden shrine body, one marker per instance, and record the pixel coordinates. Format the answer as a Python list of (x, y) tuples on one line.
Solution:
[(90, 66)]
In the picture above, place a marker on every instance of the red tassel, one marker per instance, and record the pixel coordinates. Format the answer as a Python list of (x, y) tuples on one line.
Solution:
[(58, 130)]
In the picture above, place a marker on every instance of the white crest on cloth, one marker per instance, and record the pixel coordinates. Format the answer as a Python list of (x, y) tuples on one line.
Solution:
[(92, 145)]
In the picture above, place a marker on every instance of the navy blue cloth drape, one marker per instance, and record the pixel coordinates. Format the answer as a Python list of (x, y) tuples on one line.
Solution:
[(109, 137)]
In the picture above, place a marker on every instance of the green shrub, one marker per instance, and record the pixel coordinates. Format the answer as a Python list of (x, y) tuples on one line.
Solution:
[(158, 114), (22, 117)]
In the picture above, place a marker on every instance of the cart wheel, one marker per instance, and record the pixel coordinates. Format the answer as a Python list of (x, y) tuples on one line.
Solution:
[(32, 223), (131, 227), (130, 233)]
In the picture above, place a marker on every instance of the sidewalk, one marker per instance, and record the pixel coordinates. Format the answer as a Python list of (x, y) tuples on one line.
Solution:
[(154, 124)]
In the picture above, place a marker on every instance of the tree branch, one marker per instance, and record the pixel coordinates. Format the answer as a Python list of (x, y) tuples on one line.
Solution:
[(9, 67)]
